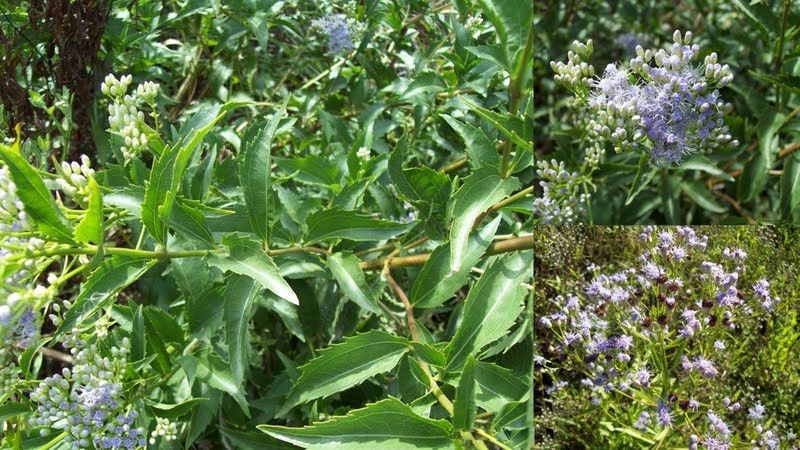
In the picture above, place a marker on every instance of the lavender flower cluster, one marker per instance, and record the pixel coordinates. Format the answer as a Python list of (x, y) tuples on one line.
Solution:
[(87, 401), (661, 102), (339, 30), (657, 333), (561, 201)]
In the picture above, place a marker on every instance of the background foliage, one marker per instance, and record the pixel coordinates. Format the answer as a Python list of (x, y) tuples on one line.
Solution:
[(303, 237)]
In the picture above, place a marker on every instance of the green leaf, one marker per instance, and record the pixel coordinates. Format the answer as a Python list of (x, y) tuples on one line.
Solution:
[(340, 224), (345, 365), (90, 228), (497, 386), (102, 286), (511, 19), (702, 163), (464, 405), (436, 283), (138, 342), (255, 171), (246, 257), (482, 189), (190, 222), (347, 272), (790, 187), (166, 175), (755, 176), (311, 169), (761, 15), (492, 306), (386, 425), (240, 291), (493, 53), (701, 196), (670, 196), (641, 180), (35, 197), (480, 149), (175, 411), (215, 372), (13, 409)]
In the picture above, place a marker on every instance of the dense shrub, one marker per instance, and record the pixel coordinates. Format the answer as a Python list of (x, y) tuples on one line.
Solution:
[(305, 224)]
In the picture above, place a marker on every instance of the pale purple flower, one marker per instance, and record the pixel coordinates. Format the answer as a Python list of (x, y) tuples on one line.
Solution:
[(757, 412), (663, 414)]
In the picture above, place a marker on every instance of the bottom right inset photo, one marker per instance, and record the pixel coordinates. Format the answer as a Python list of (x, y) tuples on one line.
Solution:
[(667, 337)]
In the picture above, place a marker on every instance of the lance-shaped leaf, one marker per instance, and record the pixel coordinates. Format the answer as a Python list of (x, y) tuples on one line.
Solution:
[(240, 292), (35, 197), (166, 175), (345, 365), (479, 148), (464, 405), (102, 286), (386, 425), (246, 257), (491, 307), (214, 371), (790, 186), (347, 272), (255, 172), (480, 191), (340, 224), (436, 283), (90, 228)]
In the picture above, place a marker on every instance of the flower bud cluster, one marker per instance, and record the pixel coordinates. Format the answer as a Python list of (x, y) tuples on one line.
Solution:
[(576, 72), (164, 429), (661, 102), (87, 401), (125, 118), (73, 178), (675, 297), (561, 201), (13, 220)]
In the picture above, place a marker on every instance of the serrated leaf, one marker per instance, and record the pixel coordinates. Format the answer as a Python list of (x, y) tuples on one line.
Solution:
[(255, 171), (347, 272), (102, 286), (435, 282), (345, 365), (245, 257), (479, 148), (189, 222), (90, 228), (511, 18), (211, 369), (482, 189), (386, 425), (340, 224), (36, 198), (492, 306), (464, 405), (497, 386), (166, 175), (240, 292), (311, 169)]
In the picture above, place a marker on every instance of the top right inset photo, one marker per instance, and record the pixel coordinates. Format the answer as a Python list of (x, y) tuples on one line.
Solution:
[(652, 112)]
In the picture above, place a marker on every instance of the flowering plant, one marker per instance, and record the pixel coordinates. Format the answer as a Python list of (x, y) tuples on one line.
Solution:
[(654, 343), (298, 226), (689, 127)]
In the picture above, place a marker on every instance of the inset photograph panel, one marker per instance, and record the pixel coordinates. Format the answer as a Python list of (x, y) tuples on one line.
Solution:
[(666, 337)]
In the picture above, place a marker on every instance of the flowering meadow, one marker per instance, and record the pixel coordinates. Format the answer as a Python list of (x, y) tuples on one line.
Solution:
[(260, 224), (655, 112), (667, 337)]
